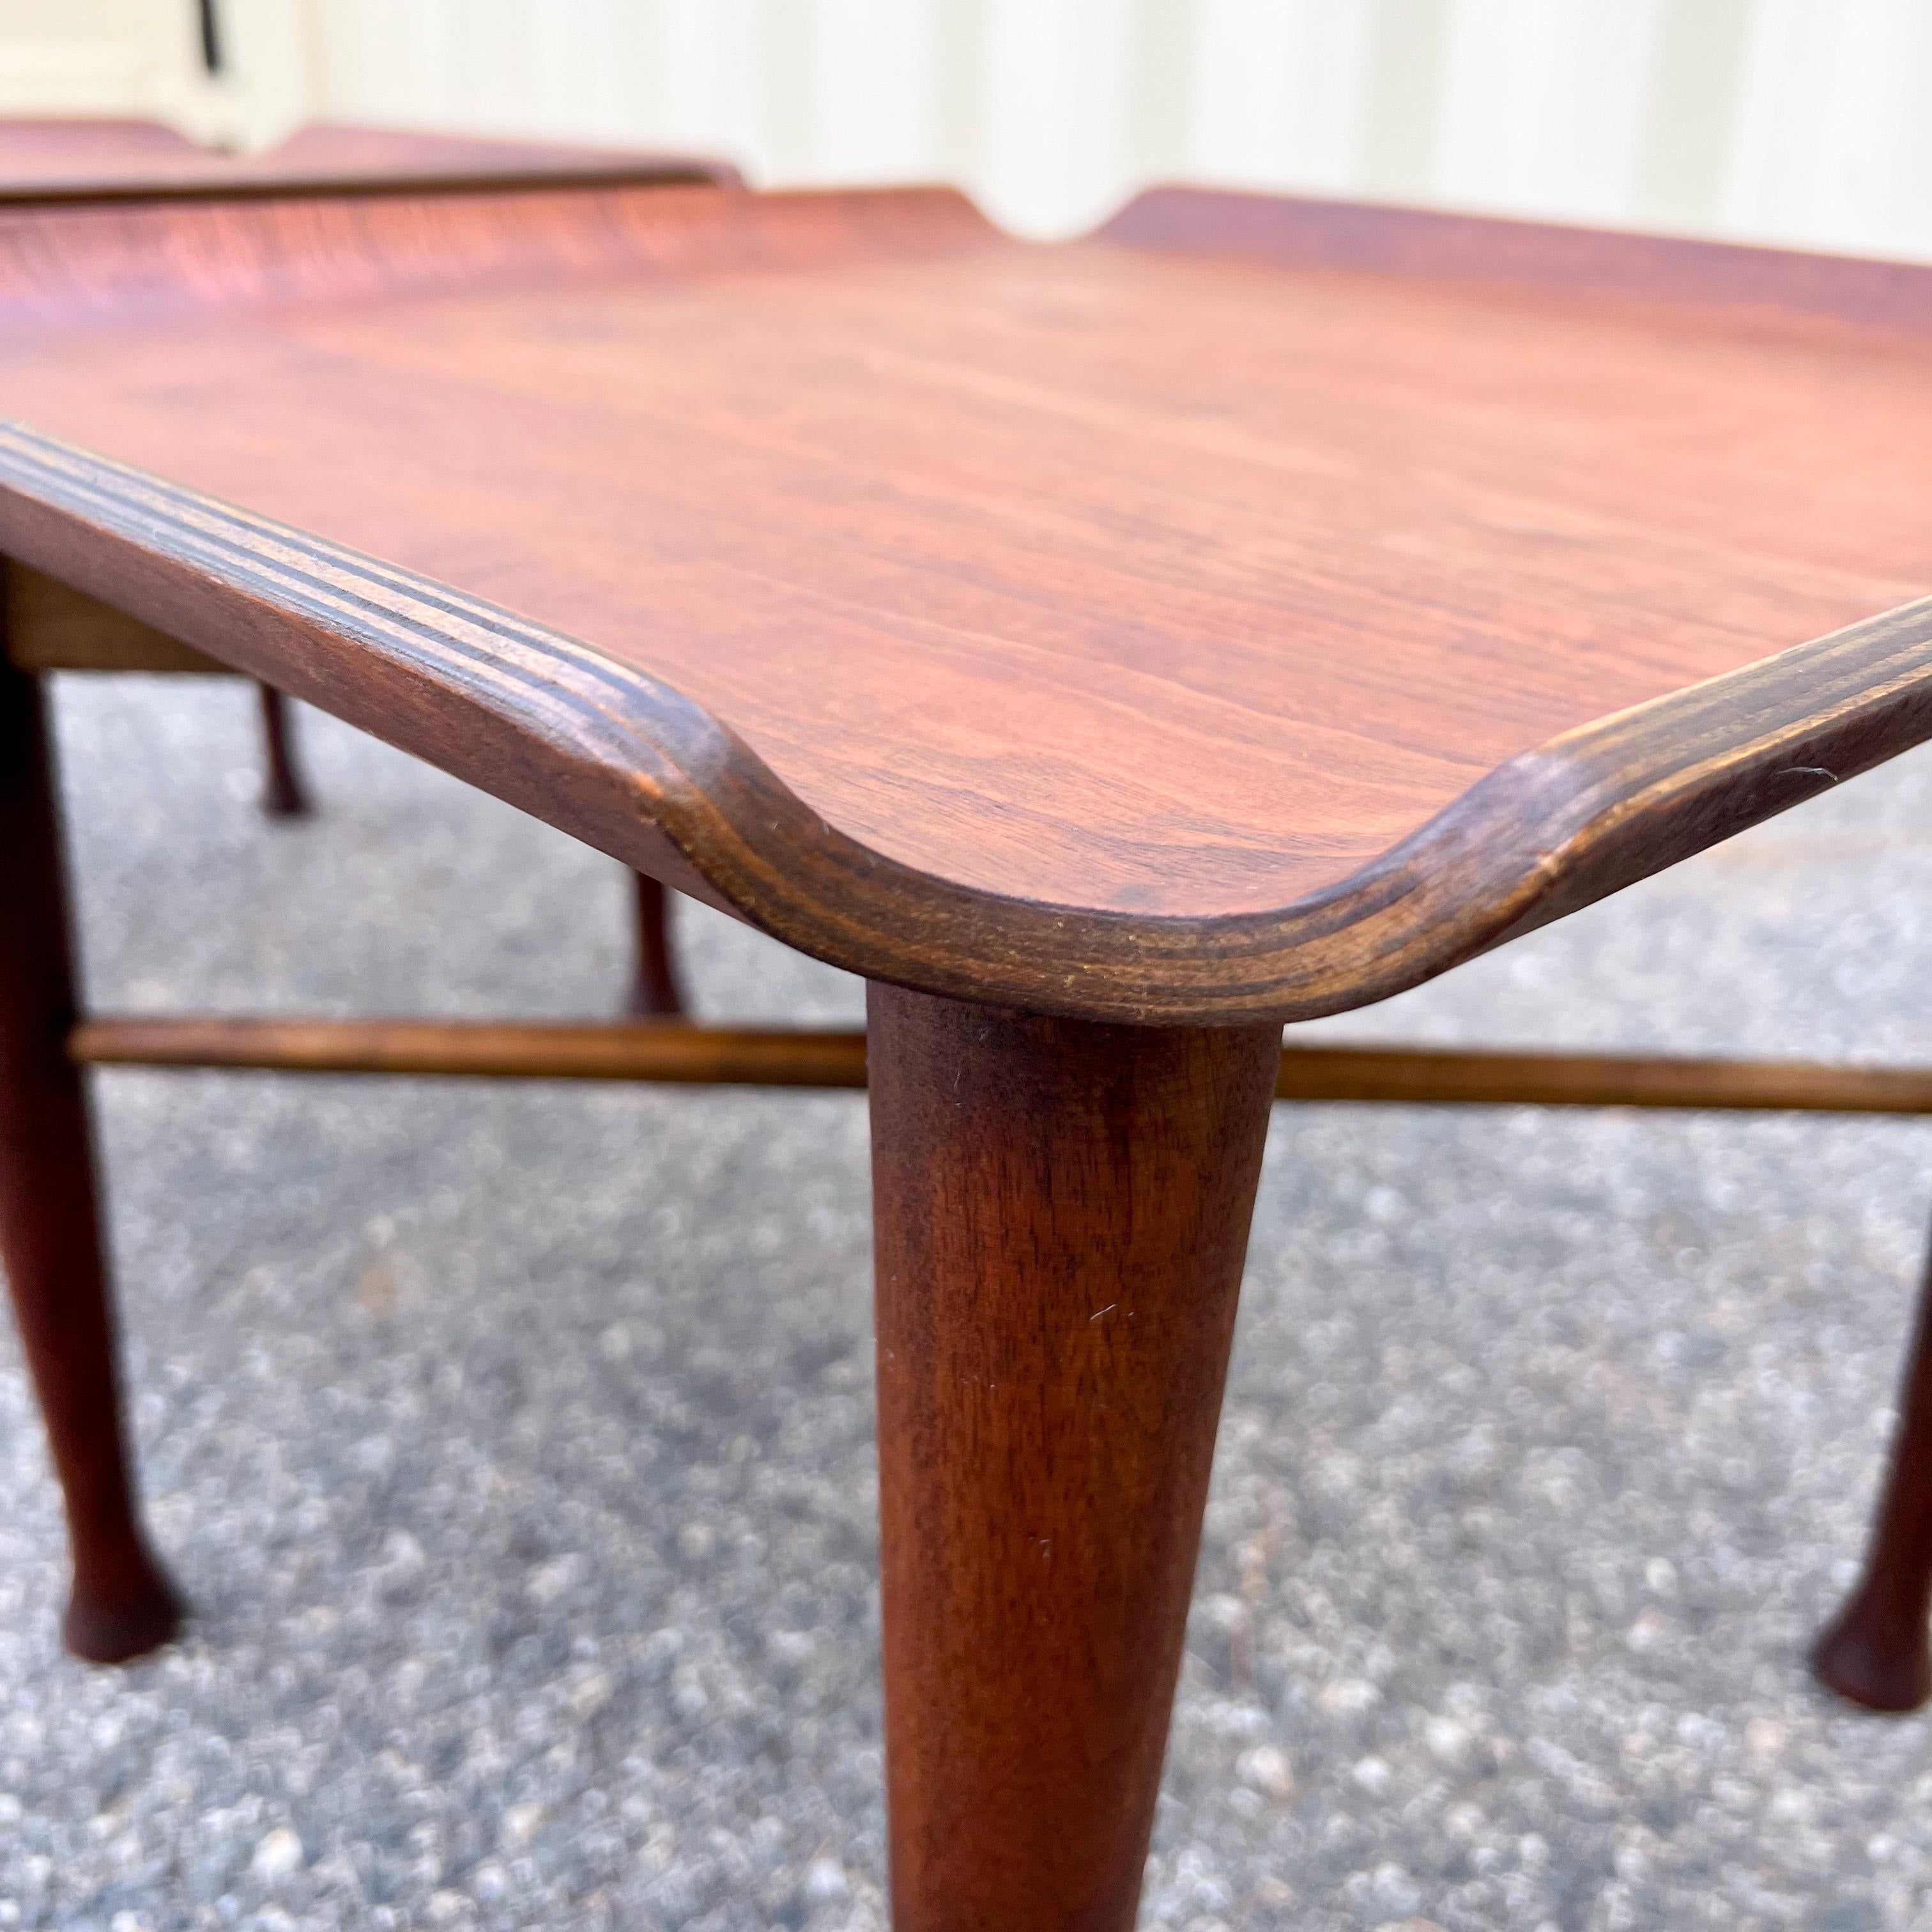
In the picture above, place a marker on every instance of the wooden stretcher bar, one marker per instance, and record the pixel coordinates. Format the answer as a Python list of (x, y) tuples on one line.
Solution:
[(740, 1057)]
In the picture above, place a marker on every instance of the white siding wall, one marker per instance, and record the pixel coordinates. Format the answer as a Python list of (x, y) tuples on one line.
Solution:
[(1793, 120), (100, 57)]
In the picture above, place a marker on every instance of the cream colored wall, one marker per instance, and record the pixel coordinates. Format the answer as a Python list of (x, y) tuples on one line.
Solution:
[(1793, 120), (104, 57)]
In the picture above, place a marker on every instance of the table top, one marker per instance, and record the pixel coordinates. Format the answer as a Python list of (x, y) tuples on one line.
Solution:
[(53, 158), (1242, 612)]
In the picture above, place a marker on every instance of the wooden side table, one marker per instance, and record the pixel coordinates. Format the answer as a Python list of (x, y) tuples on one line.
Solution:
[(1110, 650)]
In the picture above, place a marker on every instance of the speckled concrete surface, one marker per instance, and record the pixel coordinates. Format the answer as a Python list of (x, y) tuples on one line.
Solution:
[(515, 1444)]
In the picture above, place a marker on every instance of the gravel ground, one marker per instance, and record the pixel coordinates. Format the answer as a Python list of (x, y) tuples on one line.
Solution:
[(515, 1445)]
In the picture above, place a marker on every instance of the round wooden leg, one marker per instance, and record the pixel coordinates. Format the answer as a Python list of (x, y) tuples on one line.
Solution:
[(1061, 1212), (115, 1616), (50, 1214), (655, 993), (283, 794), (1876, 1651)]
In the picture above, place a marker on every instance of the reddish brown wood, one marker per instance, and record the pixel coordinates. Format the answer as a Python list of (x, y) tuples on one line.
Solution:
[(55, 158), (1713, 278), (329, 151), (59, 148), (656, 992), (1100, 628), (705, 1055), (283, 794), (1476, 1076), (49, 625), (1061, 1210), (1876, 1652), (50, 1236), (483, 1049), (1163, 664)]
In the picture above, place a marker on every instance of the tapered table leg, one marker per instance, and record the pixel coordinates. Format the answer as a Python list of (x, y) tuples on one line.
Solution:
[(50, 1226), (1876, 1650), (655, 991), (283, 794), (1061, 1212)]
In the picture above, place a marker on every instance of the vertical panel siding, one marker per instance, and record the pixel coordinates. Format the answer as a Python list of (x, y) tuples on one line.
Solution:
[(1280, 89), (1690, 115), (873, 84), (1832, 149), (1543, 107), (1792, 120)]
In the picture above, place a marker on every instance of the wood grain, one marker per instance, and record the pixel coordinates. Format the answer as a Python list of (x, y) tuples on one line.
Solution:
[(1104, 629), (1060, 1211), (1725, 281), (600, 750)]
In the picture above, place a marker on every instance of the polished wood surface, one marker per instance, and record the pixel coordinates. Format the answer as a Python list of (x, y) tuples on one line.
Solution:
[(489, 1049), (735, 1056), (1060, 1211), (51, 627), (1119, 628), (58, 158), (50, 1237), (1485, 1077), (1730, 285)]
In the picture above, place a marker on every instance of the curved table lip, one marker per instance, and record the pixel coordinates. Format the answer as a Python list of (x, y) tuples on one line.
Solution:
[(443, 163), (653, 171), (1593, 260), (604, 751)]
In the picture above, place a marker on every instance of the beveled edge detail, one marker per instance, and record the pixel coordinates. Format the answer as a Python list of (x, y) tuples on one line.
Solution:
[(607, 753)]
